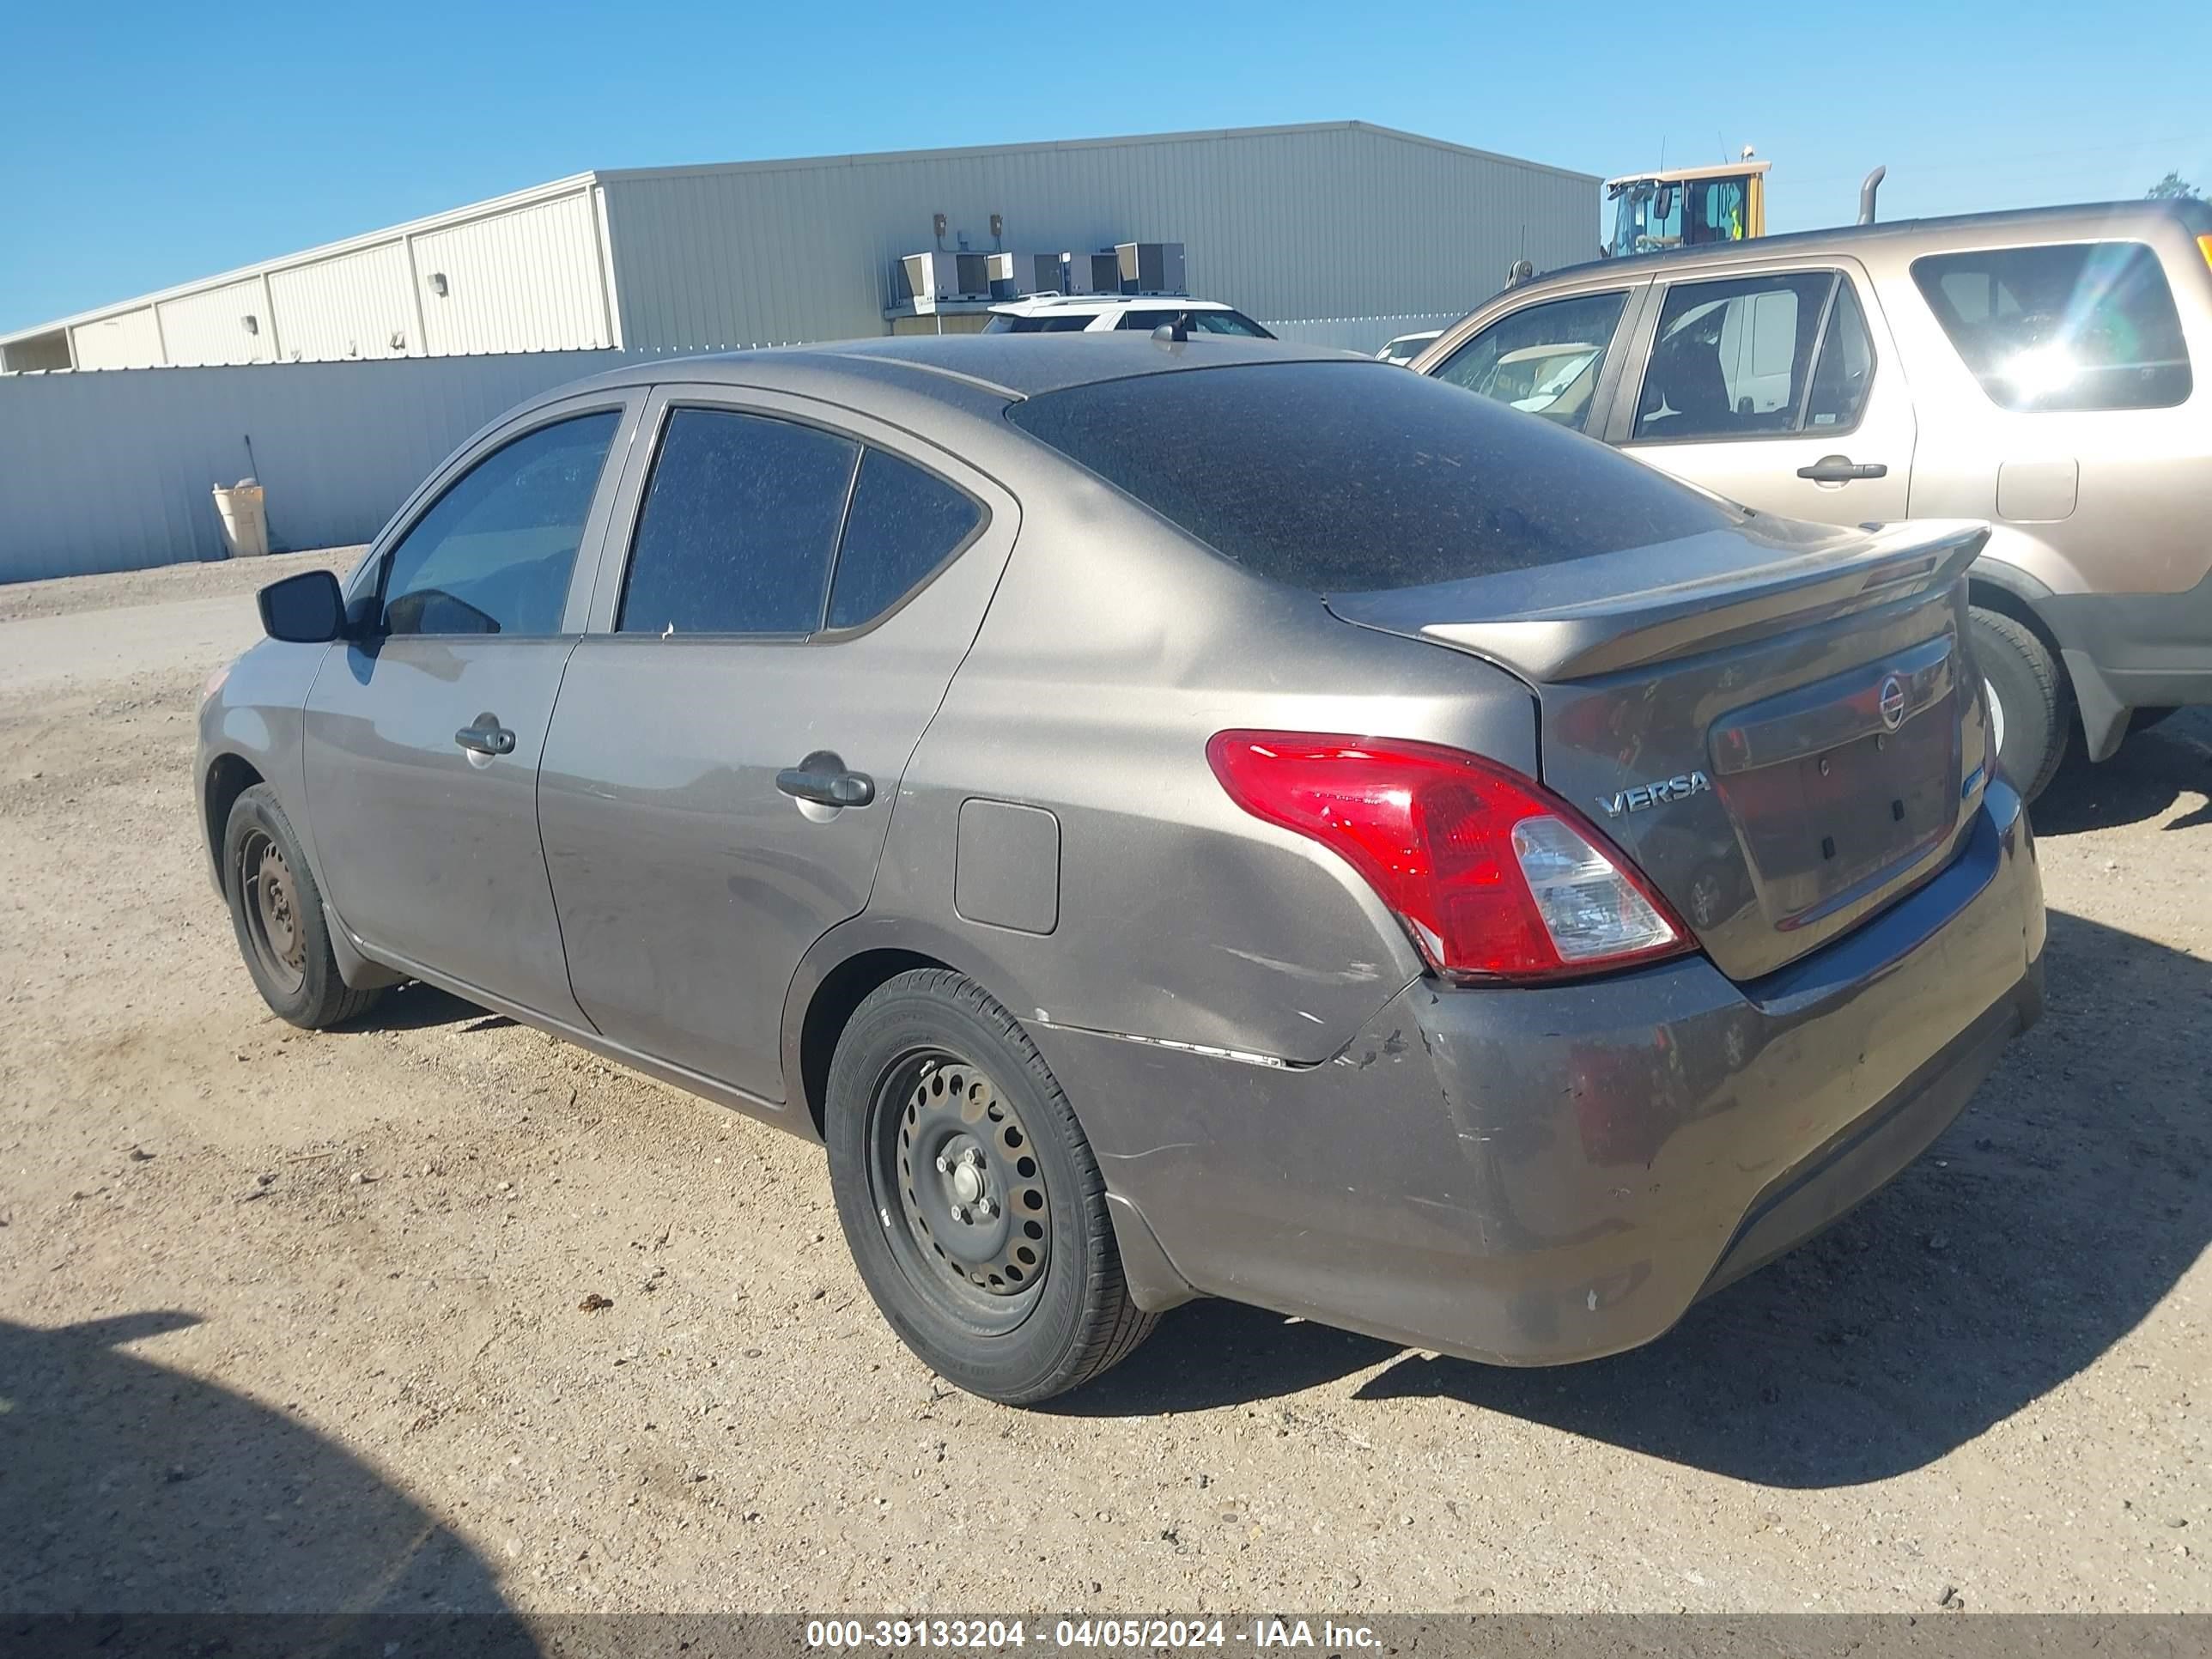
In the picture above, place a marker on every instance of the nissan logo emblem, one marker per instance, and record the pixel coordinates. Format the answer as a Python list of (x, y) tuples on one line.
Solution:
[(1893, 702)]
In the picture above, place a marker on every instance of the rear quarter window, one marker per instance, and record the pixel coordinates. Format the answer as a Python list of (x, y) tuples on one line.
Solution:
[(1354, 476), (2080, 326)]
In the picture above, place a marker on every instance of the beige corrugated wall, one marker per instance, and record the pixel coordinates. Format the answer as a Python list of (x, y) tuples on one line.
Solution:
[(1294, 225)]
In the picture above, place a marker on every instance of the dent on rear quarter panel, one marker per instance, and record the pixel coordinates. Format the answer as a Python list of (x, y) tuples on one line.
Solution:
[(1113, 650)]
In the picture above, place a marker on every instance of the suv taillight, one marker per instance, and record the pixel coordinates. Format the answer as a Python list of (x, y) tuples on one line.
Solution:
[(1493, 876)]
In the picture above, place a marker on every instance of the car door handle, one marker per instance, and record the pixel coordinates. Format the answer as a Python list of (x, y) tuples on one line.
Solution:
[(486, 737), (1842, 469), (821, 778)]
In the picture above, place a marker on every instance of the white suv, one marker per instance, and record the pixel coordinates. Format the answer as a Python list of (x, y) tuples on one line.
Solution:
[(1099, 314)]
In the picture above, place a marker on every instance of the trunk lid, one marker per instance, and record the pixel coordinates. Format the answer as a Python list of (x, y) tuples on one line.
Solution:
[(1777, 723)]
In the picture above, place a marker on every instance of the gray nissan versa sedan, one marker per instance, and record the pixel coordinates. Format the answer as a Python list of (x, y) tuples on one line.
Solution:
[(1174, 818)]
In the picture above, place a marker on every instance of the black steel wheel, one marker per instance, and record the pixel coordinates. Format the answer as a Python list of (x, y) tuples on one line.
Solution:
[(952, 1157), (969, 1196), (276, 911), (271, 906)]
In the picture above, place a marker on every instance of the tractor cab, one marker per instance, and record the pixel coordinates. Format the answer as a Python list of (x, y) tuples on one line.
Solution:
[(1687, 207)]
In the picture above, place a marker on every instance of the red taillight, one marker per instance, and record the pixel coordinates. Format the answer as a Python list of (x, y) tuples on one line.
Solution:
[(1494, 877)]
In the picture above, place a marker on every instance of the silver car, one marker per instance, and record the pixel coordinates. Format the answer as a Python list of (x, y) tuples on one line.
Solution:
[(2036, 369), (1175, 817)]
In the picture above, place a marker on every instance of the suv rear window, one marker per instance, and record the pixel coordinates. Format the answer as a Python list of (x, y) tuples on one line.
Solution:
[(2082, 325), (1346, 478)]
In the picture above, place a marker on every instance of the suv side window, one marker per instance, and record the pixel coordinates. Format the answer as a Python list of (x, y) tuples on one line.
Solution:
[(1844, 369), (1735, 359), (903, 525), (494, 553), (1545, 359), (2083, 325), (1045, 323), (738, 527)]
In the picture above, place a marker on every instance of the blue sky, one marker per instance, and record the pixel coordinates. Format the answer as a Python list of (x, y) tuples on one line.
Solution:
[(148, 144)]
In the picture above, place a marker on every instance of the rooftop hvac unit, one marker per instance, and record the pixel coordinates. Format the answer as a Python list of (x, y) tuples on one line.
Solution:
[(1014, 274), (1150, 267), (941, 274), (1044, 273)]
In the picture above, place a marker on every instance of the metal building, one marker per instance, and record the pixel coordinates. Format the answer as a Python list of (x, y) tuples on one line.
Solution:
[(1332, 232)]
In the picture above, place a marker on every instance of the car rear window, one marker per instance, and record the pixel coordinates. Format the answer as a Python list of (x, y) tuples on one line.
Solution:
[(2082, 325), (1344, 478)]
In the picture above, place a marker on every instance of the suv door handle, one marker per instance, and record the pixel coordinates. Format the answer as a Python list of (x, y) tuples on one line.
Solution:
[(821, 778), (486, 737), (1842, 469)]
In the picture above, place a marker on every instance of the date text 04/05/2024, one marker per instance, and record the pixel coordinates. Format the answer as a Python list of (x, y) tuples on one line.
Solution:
[(989, 1634)]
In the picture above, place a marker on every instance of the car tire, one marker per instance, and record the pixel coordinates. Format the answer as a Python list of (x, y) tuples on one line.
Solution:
[(276, 911), (969, 1196), (2031, 712)]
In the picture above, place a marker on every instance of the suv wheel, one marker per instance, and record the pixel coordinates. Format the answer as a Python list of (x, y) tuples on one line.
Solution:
[(969, 1196), (2031, 711)]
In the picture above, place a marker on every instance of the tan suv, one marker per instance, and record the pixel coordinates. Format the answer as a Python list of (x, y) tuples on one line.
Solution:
[(2032, 368)]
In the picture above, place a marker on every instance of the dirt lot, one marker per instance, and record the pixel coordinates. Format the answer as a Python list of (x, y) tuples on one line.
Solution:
[(292, 1320)]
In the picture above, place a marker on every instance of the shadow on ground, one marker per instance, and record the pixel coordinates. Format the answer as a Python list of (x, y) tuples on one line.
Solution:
[(2049, 1220), (126, 1488), (416, 1006), (2152, 771)]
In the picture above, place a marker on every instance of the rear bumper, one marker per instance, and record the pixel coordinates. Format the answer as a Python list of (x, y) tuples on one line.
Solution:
[(1541, 1176)]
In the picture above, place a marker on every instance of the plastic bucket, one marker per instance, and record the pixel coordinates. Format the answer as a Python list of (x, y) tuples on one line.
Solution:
[(245, 519)]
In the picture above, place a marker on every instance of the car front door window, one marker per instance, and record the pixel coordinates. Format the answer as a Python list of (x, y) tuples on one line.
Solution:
[(494, 553), (1544, 360)]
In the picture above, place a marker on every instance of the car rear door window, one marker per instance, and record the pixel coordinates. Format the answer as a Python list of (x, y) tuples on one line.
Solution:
[(494, 553), (1733, 359), (904, 524), (1352, 476), (2082, 325), (1545, 360), (738, 528)]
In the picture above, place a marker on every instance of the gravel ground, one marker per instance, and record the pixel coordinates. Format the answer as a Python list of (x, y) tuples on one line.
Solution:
[(126, 588), (292, 1320)]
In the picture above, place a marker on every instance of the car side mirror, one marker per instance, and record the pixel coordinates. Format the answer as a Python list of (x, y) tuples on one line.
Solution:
[(308, 609)]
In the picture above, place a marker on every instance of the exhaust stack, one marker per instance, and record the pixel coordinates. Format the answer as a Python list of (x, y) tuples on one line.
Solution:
[(1867, 192)]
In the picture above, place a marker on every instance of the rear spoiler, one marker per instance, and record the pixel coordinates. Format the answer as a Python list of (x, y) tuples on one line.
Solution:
[(1598, 616)]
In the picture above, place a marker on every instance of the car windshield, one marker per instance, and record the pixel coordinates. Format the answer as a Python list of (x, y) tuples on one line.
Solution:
[(1339, 479)]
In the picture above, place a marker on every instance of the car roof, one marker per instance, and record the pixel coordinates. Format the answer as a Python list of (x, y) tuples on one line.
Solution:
[(1936, 232), (957, 367)]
